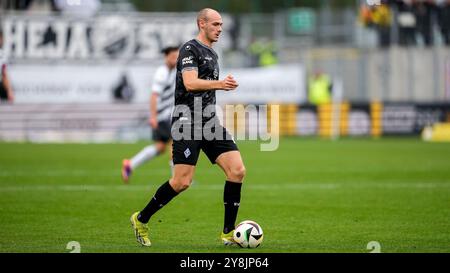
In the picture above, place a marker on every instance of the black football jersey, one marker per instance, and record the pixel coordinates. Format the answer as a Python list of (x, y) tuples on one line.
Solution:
[(196, 55)]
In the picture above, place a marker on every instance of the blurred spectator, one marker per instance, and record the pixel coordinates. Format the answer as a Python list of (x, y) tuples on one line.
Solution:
[(263, 52), (235, 32), (443, 19), (378, 17), (365, 15), (423, 11), (382, 20), (319, 89), (407, 22), (6, 91)]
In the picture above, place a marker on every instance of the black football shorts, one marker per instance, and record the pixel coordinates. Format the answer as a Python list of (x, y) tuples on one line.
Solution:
[(162, 133), (188, 151)]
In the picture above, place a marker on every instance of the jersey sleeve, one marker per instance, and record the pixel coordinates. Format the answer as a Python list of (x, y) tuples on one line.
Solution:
[(189, 58), (159, 81)]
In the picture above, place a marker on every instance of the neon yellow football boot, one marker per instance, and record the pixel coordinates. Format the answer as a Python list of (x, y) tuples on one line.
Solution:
[(140, 230), (227, 239)]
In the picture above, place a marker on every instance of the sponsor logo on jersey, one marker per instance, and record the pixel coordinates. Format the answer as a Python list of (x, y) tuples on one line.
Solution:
[(187, 60)]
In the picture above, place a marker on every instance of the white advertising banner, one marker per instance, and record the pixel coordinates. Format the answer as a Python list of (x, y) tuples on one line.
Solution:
[(80, 84), (275, 84), (98, 84)]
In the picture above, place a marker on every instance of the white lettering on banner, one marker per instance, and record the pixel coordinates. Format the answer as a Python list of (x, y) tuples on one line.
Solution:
[(149, 41), (78, 48), (14, 38), (35, 34), (57, 51), (104, 37), (307, 122), (358, 123), (399, 118)]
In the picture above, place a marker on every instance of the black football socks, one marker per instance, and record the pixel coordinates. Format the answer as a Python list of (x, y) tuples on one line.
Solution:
[(231, 201), (163, 195)]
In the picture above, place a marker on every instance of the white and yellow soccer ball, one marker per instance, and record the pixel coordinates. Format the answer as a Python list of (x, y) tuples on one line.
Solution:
[(248, 234)]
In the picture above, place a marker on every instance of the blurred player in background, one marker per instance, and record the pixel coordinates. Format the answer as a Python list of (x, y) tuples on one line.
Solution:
[(6, 91), (197, 80), (161, 108)]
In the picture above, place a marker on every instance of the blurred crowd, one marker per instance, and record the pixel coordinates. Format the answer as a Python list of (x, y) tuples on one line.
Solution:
[(408, 22)]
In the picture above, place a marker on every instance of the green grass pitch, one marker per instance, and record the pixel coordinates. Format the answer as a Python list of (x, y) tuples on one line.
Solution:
[(310, 195)]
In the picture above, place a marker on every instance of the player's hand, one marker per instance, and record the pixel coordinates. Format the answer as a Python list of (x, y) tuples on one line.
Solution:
[(229, 83), (153, 122)]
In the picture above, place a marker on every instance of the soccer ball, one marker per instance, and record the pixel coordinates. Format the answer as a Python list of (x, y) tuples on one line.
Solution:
[(248, 234)]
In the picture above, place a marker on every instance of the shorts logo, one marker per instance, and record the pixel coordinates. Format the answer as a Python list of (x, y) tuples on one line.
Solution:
[(187, 153)]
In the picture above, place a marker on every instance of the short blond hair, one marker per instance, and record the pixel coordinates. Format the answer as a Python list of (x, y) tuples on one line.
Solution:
[(203, 15)]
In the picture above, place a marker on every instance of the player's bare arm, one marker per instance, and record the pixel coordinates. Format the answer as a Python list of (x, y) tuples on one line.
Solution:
[(7, 84), (153, 110), (194, 84)]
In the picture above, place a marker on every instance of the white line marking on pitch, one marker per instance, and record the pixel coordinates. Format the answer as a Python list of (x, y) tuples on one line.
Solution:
[(284, 186)]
